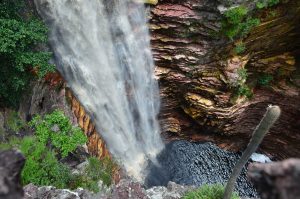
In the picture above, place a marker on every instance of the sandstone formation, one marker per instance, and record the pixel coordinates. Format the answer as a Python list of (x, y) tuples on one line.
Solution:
[(278, 180), (198, 70)]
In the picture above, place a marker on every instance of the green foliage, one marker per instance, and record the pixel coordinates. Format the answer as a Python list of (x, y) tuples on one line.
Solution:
[(244, 90), (215, 191), (56, 128), (242, 72), (265, 79), (237, 23), (95, 171), (261, 4), (239, 48), (41, 166), (55, 137), (14, 122), (20, 36)]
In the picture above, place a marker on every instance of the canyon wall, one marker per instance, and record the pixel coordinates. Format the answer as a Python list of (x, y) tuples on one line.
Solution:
[(197, 68)]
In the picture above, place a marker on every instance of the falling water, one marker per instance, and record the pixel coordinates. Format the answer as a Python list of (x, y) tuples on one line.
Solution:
[(102, 50)]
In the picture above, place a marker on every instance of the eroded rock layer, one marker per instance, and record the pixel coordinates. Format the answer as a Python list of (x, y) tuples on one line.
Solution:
[(198, 73)]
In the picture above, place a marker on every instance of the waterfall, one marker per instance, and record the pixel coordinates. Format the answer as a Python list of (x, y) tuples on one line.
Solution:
[(102, 50)]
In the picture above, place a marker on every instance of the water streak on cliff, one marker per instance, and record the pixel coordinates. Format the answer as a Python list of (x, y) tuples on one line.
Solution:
[(102, 50)]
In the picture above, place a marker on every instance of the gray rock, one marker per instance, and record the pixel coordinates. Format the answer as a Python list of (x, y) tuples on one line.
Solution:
[(11, 164), (44, 99), (49, 192), (127, 189), (172, 191), (277, 180)]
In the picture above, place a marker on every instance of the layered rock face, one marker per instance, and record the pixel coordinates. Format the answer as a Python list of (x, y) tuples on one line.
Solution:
[(197, 71)]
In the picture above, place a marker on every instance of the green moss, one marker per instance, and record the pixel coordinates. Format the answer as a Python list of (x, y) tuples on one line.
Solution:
[(215, 191)]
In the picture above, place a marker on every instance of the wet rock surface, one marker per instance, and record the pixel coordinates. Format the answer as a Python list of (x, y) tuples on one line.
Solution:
[(278, 180), (196, 164), (11, 164)]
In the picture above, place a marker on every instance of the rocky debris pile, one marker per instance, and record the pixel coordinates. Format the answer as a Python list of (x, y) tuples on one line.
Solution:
[(172, 191), (196, 164), (49, 192), (11, 163), (277, 180), (125, 189)]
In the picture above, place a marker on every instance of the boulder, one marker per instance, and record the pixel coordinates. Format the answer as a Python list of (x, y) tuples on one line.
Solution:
[(11, 164), (277, 180)]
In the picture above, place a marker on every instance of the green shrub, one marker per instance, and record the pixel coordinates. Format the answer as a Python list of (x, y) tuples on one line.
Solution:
[(264, 79), (239, 48), (237, 23), (95, 171), (20, 35), (55, 136), (266, 3), (14, 122), (215, 191), (41, 167), (56, 129), (244, 90), (243, 75)]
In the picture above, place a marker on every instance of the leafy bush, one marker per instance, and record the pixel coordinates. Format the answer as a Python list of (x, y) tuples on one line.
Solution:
[(215, 191), (264, 79), (20, 35), (95, 171), (244, 90), (41, 166), (56, 137), (266, 3), (241, 88), (56, 129), (237, 22), (242, 72), (239, 48)]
